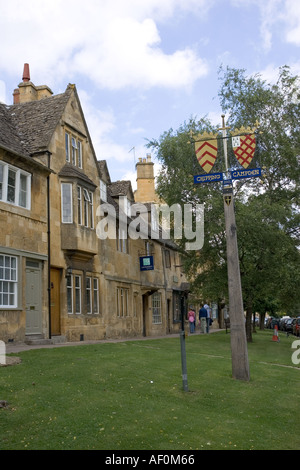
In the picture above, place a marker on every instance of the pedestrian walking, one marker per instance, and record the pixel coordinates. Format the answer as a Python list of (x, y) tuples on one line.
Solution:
[(202, 318), (208, 318), (191, 316)]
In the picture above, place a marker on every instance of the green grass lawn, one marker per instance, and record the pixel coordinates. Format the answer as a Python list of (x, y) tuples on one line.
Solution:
[(129, 395)]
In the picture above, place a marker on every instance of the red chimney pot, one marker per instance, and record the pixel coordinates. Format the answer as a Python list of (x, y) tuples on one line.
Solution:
[(26, 73)]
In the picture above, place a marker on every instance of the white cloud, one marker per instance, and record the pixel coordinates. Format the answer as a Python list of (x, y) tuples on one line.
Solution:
[(2, 92), (130, 176), (104, 131), (275, 15), (115, 43), (291, 16)]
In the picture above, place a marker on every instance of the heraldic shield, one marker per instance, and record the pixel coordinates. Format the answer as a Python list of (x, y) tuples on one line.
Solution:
[(244, 148), (206, 151)]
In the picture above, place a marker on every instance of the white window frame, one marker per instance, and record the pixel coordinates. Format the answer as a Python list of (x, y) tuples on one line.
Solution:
[(67, 146), (88, 295), (79, 153), (17, 187), (8, 281), (74, 151), (122, 241), (122, 302), (88, 208), (156, 308), (91, 209), (71, 293), (79, 205), (96, 295), (77, 289), (66, 218)]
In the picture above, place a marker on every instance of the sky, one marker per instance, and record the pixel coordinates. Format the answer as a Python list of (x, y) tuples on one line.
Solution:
[(142, 67)]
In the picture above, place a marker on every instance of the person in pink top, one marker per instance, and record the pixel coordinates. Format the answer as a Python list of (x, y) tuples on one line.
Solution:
[(191, 316)]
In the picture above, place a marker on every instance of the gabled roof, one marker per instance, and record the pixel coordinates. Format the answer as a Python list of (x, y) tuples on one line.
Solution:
[(27, 128), (70, 171), (121, 188), (35, 122), (103, 170), (9, 138)]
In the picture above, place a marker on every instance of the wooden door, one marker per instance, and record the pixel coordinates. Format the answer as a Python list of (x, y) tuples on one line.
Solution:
[(33, 298), (55, 277)]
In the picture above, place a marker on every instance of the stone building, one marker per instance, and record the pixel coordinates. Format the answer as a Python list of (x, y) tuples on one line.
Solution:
[(60, 278), (24, 222)]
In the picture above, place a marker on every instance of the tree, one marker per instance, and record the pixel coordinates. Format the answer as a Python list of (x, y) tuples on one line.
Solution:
[(274, 202), (175, 185), (267, 210)]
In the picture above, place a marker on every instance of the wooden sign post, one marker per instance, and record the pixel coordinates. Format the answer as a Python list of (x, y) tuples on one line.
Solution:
[(239, 350)]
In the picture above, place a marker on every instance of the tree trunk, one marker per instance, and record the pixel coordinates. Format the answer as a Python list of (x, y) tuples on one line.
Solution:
[(253, 323), (248, 323), (262, 321)]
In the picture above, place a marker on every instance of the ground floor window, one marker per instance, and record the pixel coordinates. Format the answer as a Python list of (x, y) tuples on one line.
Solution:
[(156, 308), (70, 293), (82, 298), (92, 295), (8, 281), (122, 302)]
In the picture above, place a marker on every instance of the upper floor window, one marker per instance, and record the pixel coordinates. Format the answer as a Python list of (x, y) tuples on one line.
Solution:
[(122, 241), (85, 207), (66, 203), (103, 191), (15, 186), (168, 258), (73, 148)]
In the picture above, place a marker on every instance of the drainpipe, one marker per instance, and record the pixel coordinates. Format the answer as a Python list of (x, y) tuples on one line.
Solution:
[(49, 247)]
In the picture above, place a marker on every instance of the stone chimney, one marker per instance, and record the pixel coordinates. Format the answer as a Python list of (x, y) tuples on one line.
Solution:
[(27, 91), (145, 181)]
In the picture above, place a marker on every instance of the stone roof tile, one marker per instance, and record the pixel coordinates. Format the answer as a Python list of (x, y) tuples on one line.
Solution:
[(36, 121)]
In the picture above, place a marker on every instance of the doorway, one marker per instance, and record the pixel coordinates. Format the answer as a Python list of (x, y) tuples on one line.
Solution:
[(55, 277), (33, 298), (145, 313), (169, 317)]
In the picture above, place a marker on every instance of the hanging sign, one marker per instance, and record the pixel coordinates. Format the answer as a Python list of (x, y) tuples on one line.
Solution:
[(244, 145), (240, 174), (212, 178), (206, 148), (146, 263)]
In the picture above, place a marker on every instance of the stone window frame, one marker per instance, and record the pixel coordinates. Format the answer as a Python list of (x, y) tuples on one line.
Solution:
[(77, 293), (18, 191), (74, 149), (122, 302)]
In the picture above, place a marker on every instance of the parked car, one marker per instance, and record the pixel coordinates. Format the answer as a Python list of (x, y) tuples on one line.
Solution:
[(283, 323), (296, 327), (289, 325), (269, 322), (274, 322)]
